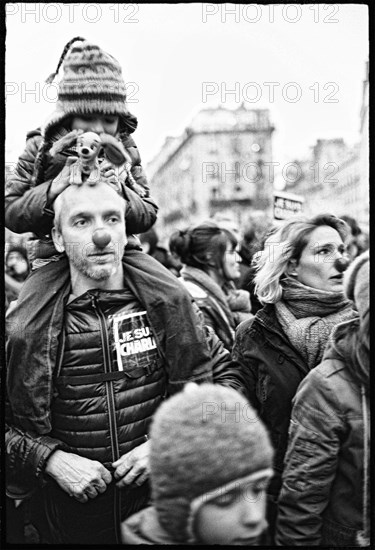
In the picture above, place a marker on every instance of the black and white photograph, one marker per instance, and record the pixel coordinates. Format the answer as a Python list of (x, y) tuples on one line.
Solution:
[(186, 343)]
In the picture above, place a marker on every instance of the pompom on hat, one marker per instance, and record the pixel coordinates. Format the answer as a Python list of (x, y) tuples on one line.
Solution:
[(357, 283), (202, 439), (92, 83)]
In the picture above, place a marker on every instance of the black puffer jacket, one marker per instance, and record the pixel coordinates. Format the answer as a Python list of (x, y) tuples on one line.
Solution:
[(99, 411), (26, 205), (190, 352)]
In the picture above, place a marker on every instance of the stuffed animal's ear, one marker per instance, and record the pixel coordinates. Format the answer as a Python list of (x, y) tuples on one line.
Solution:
[(114, 150), (64, 142)]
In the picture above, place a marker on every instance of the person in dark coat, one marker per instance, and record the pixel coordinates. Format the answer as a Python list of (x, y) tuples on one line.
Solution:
[(299, 281), (325, 496), (208, 254), (91, 97), (119, 340)]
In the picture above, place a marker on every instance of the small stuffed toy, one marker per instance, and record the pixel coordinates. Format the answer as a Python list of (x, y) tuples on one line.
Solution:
[(87, 165), (89, 145)]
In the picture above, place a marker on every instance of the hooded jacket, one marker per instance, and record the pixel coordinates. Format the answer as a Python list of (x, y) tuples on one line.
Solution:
[(321, 502), (26, 204), (145, 528)]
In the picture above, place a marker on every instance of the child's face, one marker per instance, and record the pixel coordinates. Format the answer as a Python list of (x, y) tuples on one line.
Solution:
[(234, 517), (97, 123)]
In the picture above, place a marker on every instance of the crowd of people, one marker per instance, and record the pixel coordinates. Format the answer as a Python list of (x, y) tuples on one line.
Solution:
[(215, 392)]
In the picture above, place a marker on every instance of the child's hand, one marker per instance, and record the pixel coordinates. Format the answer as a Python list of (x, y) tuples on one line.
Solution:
[(61, 181), (110, 174), (65, 142)]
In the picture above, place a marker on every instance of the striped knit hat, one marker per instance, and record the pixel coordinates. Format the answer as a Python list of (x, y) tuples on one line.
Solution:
[(202, 439), (92, 83)]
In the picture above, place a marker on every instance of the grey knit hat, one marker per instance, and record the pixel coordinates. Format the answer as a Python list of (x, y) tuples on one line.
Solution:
[(201, 439), (357, 283)]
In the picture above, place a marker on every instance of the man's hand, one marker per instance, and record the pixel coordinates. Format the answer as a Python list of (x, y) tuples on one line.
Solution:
[(61, 181), (80, 477), (133, 467)]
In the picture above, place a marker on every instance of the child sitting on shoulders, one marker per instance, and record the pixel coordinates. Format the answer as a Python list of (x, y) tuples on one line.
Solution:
[(91, 98)]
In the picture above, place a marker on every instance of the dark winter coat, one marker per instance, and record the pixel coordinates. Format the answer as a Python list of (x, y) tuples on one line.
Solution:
[(321, 502), (273, 370), (28, 210), (223, 307), (214, 315), (98, 409), (187, 349)]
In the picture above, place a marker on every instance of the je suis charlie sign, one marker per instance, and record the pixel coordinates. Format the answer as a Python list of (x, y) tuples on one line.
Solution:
[(286, 205)]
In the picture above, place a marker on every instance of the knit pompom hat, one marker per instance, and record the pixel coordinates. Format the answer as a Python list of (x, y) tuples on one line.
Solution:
[(201, 439), (357, 283), (92, 83)]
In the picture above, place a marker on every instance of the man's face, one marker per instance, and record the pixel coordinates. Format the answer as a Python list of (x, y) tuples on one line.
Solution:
[(92, 230)]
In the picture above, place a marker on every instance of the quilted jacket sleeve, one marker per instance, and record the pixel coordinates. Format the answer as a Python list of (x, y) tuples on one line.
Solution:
[(310, 463), (26, 458), (142, 211), (136, 169), (26, 208)]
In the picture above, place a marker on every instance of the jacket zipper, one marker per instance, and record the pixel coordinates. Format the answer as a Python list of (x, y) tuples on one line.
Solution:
[(111, 410)]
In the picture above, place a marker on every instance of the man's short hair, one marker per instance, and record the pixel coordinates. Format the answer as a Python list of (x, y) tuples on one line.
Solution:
[(60, 201)]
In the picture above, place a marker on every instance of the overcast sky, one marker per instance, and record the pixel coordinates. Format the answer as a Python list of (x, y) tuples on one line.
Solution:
[(177, 59)]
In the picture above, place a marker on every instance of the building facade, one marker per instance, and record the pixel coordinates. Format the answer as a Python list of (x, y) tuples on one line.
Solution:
[(221, 163), (335, 178)]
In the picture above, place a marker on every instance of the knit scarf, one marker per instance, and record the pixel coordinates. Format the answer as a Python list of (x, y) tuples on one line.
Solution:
[(206, 282), (308, 316), (238, 301)]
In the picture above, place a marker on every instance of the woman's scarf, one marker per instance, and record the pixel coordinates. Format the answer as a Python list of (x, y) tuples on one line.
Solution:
[(238, 301), (309, 315), (211, 287)]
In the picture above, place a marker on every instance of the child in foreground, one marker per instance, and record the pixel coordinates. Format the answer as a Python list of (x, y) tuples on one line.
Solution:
[(210, 464)]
